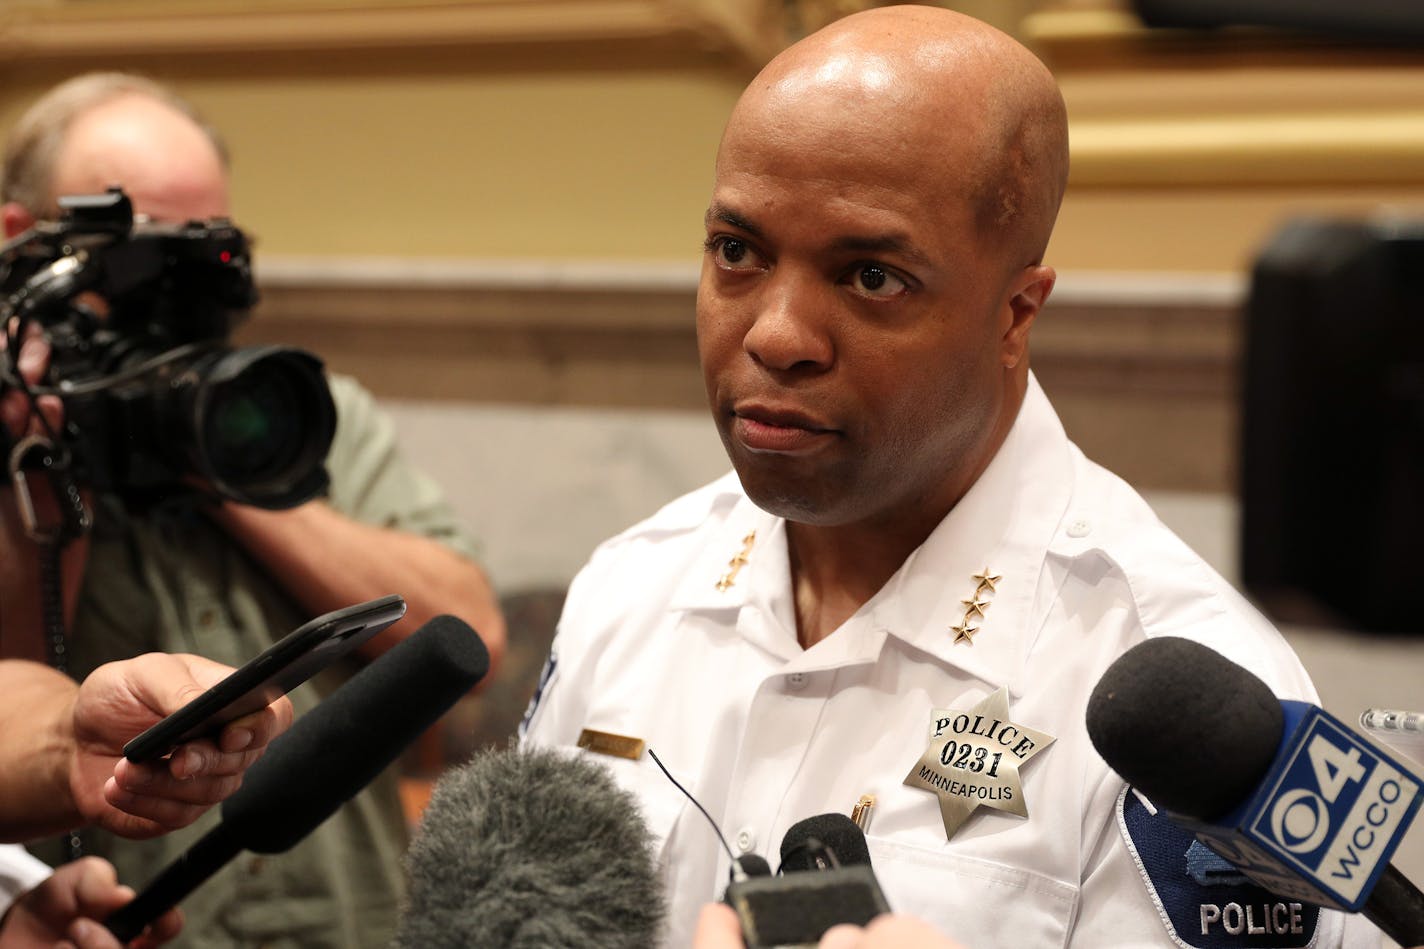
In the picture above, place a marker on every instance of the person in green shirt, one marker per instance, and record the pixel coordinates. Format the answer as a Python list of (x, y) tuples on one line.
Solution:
[(221, 579)]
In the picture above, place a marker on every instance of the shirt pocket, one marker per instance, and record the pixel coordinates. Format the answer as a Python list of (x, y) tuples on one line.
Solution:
[(975, 901)]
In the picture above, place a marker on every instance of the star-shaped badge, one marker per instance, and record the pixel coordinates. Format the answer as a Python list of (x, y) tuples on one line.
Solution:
[(973, 760)]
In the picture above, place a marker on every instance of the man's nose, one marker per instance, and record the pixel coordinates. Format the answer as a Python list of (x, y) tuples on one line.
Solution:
[(791, 329)]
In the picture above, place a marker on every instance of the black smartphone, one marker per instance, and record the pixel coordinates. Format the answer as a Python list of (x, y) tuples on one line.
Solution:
[(279, 669)]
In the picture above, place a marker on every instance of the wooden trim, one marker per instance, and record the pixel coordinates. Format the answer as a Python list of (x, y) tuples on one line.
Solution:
[(1142, 367), (742, 29)]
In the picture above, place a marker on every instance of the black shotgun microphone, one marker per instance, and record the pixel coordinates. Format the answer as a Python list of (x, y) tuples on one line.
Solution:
[(325, 758), (530, 847), (1282, 789)]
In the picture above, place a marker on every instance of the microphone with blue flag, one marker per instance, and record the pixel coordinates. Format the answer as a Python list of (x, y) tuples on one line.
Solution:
[(1286, 792)]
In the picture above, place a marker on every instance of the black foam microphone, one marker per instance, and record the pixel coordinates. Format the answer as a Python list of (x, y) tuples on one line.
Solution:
[(806, 842), (1283, 790), (752, 865), (325, 758), (531, 847)]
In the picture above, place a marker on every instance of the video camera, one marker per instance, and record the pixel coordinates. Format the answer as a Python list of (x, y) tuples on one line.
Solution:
[(156, 402)]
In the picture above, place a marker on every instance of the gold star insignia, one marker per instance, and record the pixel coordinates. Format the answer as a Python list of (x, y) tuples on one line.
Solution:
[(986, 582), (964, 633), (975, 605), (973, 760), (736, 563)]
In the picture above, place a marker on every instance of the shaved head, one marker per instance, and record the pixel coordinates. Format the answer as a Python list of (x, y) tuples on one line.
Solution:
[(959, 99), (884, 193)]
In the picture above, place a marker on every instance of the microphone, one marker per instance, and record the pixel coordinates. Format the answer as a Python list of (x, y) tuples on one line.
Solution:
[(1282, 789), (325, 758), (752, 865), (829, 882), (805, 843), (531, 847), (796, 910)]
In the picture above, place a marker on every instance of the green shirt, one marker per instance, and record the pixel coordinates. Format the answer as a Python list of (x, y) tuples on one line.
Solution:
[(172, 581)]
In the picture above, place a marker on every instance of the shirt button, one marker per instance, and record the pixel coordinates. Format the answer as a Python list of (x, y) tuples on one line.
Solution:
[(1079, 528), (746, 840), (796, 681)]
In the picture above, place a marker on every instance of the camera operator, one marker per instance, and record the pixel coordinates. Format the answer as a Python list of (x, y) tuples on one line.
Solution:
[(220, 578)]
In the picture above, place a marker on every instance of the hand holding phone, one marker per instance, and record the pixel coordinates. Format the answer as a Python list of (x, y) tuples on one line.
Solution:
[(273, 673)]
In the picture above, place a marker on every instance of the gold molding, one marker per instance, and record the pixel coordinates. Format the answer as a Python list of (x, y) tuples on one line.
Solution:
[(1265, 149), (1242, 107), (745, 30)]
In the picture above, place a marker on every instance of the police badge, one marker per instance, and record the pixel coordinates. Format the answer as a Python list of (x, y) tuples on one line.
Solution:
[(973, 760)]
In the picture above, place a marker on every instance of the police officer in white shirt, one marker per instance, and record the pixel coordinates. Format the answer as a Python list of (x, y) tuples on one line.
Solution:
[(905, 592)]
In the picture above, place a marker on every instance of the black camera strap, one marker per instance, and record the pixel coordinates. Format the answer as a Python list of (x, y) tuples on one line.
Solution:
[(34, 460)]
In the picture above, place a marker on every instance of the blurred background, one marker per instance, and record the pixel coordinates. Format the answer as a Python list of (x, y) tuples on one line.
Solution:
[(490, 212)]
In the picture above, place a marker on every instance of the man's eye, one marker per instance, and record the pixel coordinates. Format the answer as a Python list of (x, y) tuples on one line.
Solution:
[(873, 280), (732, 253)]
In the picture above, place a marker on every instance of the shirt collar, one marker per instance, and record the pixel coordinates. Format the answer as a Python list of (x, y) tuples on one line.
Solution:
[(1003, 525)]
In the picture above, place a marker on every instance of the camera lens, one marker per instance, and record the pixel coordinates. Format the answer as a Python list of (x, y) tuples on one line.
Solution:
[(264, 420), (254, 424)]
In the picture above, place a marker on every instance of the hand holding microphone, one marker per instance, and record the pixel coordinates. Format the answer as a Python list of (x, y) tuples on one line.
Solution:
[(329, 755), (825, 881), (719, 928)]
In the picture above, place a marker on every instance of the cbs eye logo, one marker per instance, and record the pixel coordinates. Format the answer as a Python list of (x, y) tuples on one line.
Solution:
[(1300, 818)]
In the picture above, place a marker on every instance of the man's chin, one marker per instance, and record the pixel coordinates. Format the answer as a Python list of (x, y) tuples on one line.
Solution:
[(787, 501)]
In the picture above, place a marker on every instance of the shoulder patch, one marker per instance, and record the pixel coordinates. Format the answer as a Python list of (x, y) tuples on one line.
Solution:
[(1203, 900), (545, 677)]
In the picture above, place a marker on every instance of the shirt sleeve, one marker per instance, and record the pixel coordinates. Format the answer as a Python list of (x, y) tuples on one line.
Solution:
[(1148, 884), (558, 710), (372, 482), (18, 872)]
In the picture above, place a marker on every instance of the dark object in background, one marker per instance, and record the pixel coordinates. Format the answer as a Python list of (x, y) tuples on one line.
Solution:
[(1332, 451), (1392, 21)]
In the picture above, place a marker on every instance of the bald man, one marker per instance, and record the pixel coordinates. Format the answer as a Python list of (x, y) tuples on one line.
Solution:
[(226, 580), (897, 604)]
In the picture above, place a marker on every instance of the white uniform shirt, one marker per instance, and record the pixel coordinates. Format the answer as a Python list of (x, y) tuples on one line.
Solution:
[(18, 872), (765, 734)]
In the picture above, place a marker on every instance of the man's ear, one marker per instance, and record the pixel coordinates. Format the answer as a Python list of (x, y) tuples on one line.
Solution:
[(17, 220), (1029, 293)]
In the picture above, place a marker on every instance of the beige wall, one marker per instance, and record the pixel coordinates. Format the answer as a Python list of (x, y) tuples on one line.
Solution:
[(585, 129), (456, 153)]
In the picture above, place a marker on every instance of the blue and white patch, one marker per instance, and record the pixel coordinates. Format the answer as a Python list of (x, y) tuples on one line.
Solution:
[(1203, 900), (545, 677)]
